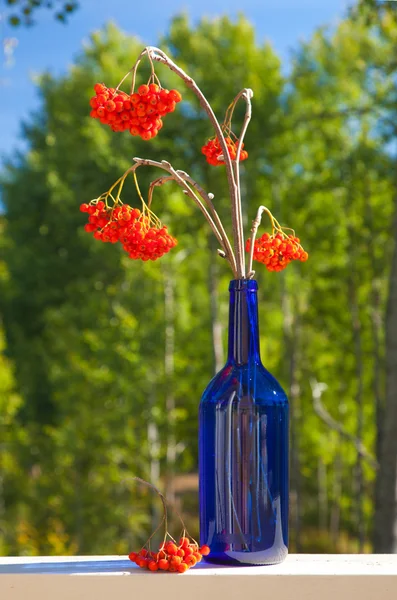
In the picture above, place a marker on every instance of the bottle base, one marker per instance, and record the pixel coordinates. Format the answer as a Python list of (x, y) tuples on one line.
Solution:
[(247, 559)]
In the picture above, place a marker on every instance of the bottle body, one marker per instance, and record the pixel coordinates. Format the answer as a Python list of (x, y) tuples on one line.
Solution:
[(243, 449)]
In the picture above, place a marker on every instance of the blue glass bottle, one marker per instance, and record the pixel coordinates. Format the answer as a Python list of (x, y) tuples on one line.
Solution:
[(243, 448)]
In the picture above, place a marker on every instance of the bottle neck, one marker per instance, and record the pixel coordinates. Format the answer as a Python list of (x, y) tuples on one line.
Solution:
[(243, 322)]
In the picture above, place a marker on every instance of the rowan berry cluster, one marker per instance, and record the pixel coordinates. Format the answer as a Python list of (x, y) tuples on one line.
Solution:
[(171, 557), (277, 250), (141, 113), (140, 238), (212, 150)]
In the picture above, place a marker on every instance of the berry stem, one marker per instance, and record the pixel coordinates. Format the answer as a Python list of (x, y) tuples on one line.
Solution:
[(255, 224), (164, 503)]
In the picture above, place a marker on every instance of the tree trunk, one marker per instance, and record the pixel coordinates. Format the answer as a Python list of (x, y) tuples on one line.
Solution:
[(358, 480), (291, 342), (169, 368), (385, 534), (336, 501)]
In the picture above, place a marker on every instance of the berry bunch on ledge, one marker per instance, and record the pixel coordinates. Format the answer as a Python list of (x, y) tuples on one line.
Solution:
[(172, 557)]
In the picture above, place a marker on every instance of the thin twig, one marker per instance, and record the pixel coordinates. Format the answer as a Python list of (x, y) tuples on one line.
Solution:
[(255, 224), (246, 94)]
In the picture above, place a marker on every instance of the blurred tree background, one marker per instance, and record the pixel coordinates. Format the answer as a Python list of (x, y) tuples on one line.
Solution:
[(103, 359)]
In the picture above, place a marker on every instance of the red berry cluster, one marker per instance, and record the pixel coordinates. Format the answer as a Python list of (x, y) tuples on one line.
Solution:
[(133, 229), (140, 112), (170, 557), (276, 251), (213, 149)]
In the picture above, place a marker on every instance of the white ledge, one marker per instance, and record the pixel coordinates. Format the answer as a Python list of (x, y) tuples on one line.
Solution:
[(300, 576)]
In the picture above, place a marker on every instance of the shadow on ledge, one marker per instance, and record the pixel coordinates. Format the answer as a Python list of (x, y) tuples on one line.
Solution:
[(86, 567)]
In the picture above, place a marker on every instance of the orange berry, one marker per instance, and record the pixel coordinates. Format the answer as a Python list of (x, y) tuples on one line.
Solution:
[(204, 550), (141, 562), (153, 87), (153, 566), (175, 95), (134, 130), (110, 105), (99, 88), (197, 556), (146, 135), (161, 107), (164, 565), (182, 568), (184, 542), (143, 90), (171, 548), (132, 556)]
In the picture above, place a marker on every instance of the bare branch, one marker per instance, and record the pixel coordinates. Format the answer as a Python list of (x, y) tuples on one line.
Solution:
[(319, 409), (179, 179), (160, 56), (208, 200), (246, 94)]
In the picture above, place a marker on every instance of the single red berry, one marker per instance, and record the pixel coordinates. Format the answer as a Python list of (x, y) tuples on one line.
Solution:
[(175, 95), (164, 564), (204, 550), (143, 90), (110, 105), (99, 88), (182, 568)]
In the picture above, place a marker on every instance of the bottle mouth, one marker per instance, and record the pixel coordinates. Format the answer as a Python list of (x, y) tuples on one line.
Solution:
[(238, 285)]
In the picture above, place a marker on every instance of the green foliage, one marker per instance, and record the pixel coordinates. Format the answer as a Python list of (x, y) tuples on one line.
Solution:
[(84, 376), (23, 12)]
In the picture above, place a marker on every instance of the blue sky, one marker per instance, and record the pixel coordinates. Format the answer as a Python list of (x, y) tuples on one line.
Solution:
[(52, 46)]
